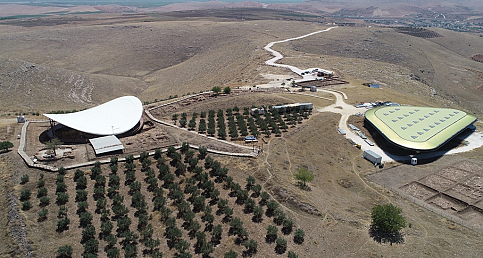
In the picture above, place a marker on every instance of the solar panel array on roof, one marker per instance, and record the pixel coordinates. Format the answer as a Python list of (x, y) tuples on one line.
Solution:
[(429, 127)]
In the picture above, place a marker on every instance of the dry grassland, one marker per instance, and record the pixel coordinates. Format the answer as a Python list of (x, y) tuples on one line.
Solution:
[(79, 66), (446, 74)]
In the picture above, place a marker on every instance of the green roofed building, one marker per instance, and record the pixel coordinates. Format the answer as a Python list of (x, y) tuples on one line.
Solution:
[(418, 128)]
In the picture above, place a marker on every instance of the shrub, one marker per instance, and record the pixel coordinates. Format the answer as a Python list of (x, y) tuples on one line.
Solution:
[(271, 233), (230, 254), (43, 214), (81, 196), (40, 183), (264, 198), (64, 251), (81, 183), (85, 219), (62, 198), (292, 254), (24, 179), (26, 205), (87, 233), (78, 173), (63, 224), (44, 201), (281, 245), (251, 246), (271, 207), (25, 195), (287, 226), (41, 192), (61, 187)]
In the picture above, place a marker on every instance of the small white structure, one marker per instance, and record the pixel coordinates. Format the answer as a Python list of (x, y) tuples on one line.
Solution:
[(261, 111), (20, 119), (414, 161), (106, 144)]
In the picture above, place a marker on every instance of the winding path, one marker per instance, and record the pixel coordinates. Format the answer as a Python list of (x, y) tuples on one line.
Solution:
[(474, 140), (278, 56)]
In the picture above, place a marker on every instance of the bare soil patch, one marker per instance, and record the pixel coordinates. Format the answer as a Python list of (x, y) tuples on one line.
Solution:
[(456, 197)]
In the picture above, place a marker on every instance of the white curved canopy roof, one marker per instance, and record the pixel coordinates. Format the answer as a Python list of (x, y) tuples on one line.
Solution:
[(111, 118)]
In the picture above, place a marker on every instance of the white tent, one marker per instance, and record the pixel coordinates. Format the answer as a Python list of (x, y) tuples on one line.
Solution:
[(111, 118)]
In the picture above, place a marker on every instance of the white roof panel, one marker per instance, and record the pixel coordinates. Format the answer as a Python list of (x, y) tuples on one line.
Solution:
[(106, 144), (111, 118)]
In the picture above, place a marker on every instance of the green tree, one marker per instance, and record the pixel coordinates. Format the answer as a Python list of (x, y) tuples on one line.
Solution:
[(62, 198), (63, 224), (91, 247), (299, 236), (5, 145), (41, 192), (43, 214), (251, 246), (304, 176), (113, 252), (281, 245), (25, 195), (52, 145), (230, 254), (26, 205), (216, 89), (271, 233), (64, 251), (85, 219), (387, 219), (227, 90), (287, 226), (257, 214), (264, 196), (44, 201), (87, 233), (216, 234), (292, 254)]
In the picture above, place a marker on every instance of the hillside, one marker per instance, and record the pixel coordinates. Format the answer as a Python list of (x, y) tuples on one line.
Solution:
[(439, 66)]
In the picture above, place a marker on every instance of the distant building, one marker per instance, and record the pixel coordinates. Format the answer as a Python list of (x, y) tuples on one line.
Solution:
[(253, 111), (295, 106), (20, 119)]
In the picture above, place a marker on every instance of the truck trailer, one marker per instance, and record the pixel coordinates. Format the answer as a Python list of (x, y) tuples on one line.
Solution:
[(372, 157)]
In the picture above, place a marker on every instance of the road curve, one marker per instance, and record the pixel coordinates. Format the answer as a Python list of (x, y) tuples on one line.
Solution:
[(278, 56), (474, 140)]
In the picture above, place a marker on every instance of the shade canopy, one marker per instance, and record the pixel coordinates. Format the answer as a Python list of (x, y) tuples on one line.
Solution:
[(106, 144), (111, 118)]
